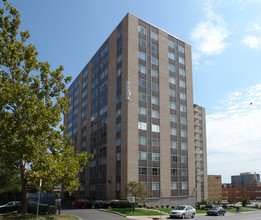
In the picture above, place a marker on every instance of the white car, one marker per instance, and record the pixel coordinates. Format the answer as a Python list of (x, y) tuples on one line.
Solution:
[(10, 204), (183, 211)]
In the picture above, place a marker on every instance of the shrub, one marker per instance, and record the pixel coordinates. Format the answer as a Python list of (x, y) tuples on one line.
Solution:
[(52, 209), (120, 204), (173, 207), (224, 206), (33, 209), (167, 206), (162, 206)]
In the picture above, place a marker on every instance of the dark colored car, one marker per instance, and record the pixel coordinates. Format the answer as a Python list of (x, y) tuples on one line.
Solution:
[(10, 207), (216, 210), (99, 204), (36, 203)]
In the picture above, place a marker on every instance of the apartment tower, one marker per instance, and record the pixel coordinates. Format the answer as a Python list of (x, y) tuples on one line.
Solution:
[(132, 107)]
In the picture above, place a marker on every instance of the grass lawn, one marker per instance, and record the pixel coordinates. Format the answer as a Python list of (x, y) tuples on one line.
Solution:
[(137, 212), (167, 210), (41, 217), (240, 210)]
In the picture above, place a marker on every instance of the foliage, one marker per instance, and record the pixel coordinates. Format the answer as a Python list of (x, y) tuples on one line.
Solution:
[(9, 179), (32, 100), (245, 201), (135, 189), (52, 209), (203, 204), (120, 204)]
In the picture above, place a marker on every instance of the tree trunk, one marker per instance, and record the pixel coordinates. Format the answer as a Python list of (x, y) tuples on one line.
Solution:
[(24, 194)]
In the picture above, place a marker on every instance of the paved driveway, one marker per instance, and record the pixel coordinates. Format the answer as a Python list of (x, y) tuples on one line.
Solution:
[(92, 214)]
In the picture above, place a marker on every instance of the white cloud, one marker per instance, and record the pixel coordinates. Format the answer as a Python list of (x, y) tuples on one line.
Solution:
[(233, 134), (209, 35), (253, 41)]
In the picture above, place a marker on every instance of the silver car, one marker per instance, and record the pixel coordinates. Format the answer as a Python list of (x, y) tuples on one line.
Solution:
[(183, 211)]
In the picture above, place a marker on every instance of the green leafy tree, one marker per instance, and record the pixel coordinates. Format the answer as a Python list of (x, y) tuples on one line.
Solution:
[(245, 201), (32, 100), (9, 179), (135, 189)]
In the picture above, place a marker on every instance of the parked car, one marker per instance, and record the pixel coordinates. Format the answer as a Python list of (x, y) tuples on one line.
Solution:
[(100, 204), (216, 210), (183, 211), (36, 203), (83, 204), (10, 207)]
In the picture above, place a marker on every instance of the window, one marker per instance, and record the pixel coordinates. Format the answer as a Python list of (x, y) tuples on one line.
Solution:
[(182, 72), (154, 86), (171, 44), (173, 145), (183, 108), (172, 92), (172, 80), (182, 84), (142, 140), (155, 186), (155, 128), (154, 114), (104, 62), (142, 69), (119, 45), (142, 42), (118, 156), (171, 56), (155, 142), (119, 33), (184, 159), (142, 56), (155, 171), (142, 83), (142, 125), (118, 113), (142, 30), (171, 68), (118, 186), (142, 111), (184, 173), (155, 157), (182, 96), (181, 60), (183, 120), (119, 58), (173, 131), (173, 118), (173, 158), (118, 141), (181, 49), (118, 127), (174, 172), (118, 85), (154, 61), (184, 146), (153, 35), (94, 83), (184, 185), (104, 73), (174, 186), (142, 97), (154, 48), (142, 155), (154, 100), (172, 105), (142, 171), (119, 71), (118, 99), (155, 73), (183, 133)]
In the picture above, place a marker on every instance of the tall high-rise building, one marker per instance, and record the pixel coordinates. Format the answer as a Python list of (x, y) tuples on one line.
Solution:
[(132, 107)]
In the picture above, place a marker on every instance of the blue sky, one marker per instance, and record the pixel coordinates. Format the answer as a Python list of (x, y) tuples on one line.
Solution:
[(226, 49)]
